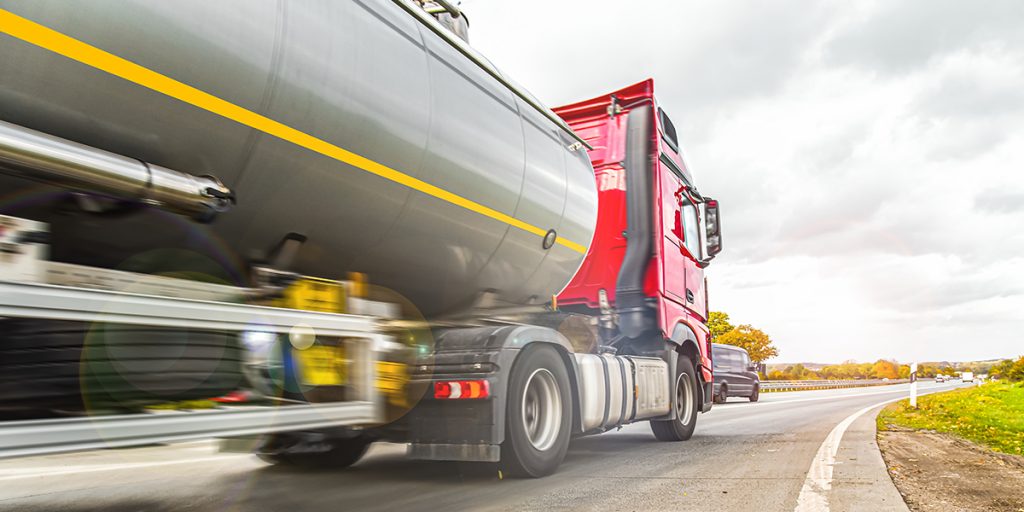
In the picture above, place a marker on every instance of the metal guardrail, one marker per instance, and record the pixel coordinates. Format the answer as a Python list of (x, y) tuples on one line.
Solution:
[(41, 437), (804, 385)]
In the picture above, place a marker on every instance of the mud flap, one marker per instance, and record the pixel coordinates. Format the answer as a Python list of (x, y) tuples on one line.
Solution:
[(707, 396)]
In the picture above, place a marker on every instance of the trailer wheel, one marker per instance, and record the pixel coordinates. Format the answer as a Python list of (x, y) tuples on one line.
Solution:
[(684, 401), (756, 393), (302, 452), (538, 414), (52, 365), (723, 394)]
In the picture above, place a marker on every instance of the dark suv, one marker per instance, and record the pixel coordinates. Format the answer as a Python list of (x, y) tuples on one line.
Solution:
[(735, 375)]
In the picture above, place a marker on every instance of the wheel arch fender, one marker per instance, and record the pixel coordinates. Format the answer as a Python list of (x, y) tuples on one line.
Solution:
[(685, 341), (528, 336), (687, 344), (508, 342)]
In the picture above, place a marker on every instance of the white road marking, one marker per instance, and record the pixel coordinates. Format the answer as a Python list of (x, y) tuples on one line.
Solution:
[(814, 493), (117, 467)]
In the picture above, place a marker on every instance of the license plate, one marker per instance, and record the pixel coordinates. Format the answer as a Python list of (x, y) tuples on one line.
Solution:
[(322, 366)]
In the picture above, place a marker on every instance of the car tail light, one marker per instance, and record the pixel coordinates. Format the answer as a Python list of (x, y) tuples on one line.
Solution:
[(462, 389)]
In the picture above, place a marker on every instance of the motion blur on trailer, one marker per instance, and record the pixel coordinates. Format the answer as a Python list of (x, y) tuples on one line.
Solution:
[(358, 231)]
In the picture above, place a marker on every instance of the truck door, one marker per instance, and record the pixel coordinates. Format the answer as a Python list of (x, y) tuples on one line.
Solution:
[(694, 291), (673, 254)]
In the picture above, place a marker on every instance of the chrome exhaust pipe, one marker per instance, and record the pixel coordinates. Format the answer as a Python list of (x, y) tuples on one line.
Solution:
[(35, 155)]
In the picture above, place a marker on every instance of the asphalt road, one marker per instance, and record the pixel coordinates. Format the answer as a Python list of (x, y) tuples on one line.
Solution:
[(743, 456)]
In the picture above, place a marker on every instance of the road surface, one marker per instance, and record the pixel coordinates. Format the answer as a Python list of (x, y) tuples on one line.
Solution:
[(743, 456)]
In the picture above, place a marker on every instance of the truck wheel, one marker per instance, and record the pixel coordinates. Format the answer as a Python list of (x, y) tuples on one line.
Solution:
[(538, 414), (684, 402), (291, 450), (754, 395)]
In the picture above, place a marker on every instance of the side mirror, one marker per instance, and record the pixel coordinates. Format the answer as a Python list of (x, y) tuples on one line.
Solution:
[(713, 228), (752, 368)]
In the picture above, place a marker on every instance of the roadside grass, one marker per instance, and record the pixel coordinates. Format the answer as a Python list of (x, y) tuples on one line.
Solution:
[(991, 415)]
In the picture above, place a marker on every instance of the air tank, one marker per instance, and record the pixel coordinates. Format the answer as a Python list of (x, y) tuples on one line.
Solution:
[(352, 123)]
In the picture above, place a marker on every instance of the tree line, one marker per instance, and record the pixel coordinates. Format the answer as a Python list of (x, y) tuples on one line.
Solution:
[(755, 341), (851, 370), (1009, 369), (759, 345)]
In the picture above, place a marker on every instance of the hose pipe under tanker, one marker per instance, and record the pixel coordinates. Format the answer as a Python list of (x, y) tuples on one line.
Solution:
[(635, 316), (41, 157)]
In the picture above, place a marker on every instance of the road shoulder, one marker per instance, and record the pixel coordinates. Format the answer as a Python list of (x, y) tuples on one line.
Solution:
[(940, 472), (860, 481)]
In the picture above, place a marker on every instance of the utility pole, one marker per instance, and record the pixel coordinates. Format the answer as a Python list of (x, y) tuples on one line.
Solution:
[(913, 385)]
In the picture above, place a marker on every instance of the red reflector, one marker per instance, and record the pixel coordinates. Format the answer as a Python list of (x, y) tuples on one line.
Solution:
[(462, 389), (442, 390), (233, 397)]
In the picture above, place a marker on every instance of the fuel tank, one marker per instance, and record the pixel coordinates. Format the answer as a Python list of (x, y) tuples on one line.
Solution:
[(352, 123)]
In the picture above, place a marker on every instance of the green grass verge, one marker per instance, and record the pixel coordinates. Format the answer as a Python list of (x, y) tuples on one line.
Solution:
[(992, 415)]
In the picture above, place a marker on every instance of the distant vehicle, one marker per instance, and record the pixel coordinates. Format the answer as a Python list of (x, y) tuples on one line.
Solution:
[(967, 376), (940, 378), (735, 375)]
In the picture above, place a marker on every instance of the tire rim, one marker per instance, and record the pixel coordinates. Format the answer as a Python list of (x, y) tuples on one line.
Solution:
[(542, 409), (684, 399)]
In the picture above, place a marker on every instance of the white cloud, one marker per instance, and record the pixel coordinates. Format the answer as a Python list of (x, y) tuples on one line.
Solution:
[(869, 157)]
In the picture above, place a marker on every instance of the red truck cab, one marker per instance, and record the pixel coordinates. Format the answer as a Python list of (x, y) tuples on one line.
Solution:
[(655, 232)]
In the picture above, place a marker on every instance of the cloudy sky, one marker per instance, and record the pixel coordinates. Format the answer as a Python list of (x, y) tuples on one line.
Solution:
[(869, 155)]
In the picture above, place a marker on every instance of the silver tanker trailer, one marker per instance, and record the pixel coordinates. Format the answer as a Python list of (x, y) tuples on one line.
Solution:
[(338, 207)]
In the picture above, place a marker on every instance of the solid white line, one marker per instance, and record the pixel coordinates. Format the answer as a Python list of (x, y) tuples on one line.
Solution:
[(814, 493), (117, 467)]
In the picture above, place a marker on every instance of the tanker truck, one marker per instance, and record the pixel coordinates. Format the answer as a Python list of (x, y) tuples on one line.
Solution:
[(342, 223)]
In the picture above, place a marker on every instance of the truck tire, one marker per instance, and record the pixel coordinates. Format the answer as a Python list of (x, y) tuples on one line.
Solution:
[(48, 365), (538, 413), (684, 401), (291, 450), (756, 393)]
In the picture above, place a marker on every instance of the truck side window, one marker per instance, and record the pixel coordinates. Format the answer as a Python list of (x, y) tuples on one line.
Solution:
[(691, 233), (668, 131)]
